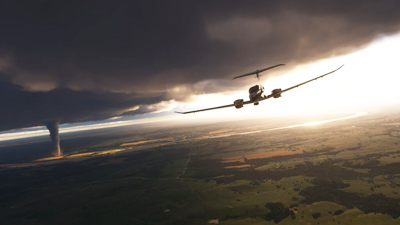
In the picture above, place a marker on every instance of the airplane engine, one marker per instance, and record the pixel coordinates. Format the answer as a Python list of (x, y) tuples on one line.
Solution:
[(276, 93), (238, 103)]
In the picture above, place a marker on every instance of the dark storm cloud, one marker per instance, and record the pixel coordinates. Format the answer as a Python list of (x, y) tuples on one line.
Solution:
[(86, 60), (23, 109)]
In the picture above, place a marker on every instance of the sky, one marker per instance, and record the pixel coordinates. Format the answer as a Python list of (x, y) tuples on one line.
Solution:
[(81, 61)]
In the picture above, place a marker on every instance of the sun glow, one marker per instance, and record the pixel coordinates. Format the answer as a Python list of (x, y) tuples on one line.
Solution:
[(325, 121), (367, 81)]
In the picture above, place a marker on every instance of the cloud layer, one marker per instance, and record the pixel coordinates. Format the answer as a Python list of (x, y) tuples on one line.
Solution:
[(88, 60)]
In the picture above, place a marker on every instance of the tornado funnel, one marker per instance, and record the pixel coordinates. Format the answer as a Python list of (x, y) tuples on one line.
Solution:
[(52, 126)]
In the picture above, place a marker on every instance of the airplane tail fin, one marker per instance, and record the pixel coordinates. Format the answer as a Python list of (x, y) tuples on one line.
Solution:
[(258, 71)]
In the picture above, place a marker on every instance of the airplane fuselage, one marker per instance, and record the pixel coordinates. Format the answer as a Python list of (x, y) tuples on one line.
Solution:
[(256, 93)]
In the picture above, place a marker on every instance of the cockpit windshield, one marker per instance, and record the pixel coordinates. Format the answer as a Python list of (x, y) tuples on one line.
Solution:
[(254, 89)]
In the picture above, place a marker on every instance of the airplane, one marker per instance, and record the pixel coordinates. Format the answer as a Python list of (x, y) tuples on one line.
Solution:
[(256, 93)]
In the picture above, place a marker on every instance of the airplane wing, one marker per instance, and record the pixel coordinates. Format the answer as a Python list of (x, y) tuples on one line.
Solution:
[(218, 107), (311, 80), (266, 97), (288, 89)]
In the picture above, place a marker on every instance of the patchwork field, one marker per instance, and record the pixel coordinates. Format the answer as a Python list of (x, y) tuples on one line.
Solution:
[(343, 172)]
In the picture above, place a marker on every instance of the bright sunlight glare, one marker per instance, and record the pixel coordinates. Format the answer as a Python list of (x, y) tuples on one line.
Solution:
[(368, 80)]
